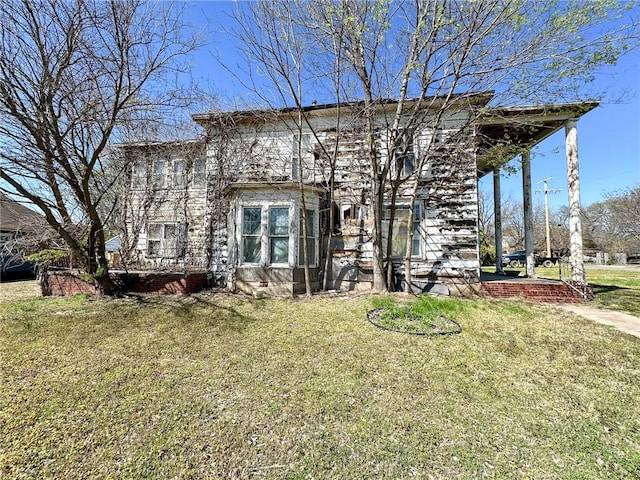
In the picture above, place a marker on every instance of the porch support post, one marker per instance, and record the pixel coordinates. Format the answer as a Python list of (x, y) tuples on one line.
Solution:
[(528, 213), (573, 179), (497, 216)]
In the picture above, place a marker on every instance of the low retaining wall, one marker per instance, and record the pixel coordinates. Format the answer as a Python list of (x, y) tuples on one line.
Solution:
[(556, 292), (65, 283)]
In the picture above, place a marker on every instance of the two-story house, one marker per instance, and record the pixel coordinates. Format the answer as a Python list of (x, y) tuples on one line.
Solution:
[(234, 203)]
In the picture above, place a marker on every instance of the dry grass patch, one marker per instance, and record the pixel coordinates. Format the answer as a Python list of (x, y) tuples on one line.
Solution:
[(220, 386)]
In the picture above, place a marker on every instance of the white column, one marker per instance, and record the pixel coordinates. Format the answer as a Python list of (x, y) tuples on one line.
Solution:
[(497, 218), (528, 213), (573, 179)]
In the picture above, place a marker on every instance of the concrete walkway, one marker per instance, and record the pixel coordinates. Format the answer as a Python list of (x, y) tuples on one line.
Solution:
[(622, 321)]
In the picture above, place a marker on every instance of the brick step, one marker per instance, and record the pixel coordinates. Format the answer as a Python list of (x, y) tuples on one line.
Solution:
[(535, 292)]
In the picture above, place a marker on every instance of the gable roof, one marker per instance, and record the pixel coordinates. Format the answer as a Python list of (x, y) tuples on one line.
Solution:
[(15, 217)]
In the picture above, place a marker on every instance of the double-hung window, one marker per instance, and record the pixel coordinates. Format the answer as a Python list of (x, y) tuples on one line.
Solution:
[(164, 240), (251, 234), (139, 174), (310, 239), (199, 173), (401, 229), (302, 158), (279, 235), (404, 154), (159, 173), (178, 177)]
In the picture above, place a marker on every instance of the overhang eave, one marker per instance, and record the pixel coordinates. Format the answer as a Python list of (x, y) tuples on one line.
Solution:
[(504, 133)]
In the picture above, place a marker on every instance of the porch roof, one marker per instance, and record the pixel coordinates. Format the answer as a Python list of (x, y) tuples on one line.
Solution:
[(506, 132)]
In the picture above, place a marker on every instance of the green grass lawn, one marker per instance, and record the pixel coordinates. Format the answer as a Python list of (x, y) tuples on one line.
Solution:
[(616, 289), (224, 387)]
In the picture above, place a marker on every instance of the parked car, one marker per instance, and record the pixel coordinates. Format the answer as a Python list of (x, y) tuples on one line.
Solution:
[(519, 259), (633, 258), (11, 267), (515, 259)]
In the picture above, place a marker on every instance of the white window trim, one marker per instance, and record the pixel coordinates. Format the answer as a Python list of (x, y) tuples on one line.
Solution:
[(140, 177), (265, 207), (162, 175), (269, 236), (302, 155), (242, 235)]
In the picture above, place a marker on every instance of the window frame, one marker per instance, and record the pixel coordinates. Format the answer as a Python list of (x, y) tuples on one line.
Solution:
[(182, 174), (313, 261), (159, 176), (274, 236), (405, 150), (302, 154), (244, 235), (417, 223), (176, 244), (199, 176), (139, 174)]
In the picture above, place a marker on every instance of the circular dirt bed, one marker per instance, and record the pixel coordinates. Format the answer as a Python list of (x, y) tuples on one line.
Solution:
[(405, 322)]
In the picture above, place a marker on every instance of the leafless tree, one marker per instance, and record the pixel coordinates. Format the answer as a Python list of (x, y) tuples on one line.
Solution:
[(614, 224), (75, 76)]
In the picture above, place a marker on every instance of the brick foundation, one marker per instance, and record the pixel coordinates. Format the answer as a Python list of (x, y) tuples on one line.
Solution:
[(554, 292), (64, 283), (167, 283)]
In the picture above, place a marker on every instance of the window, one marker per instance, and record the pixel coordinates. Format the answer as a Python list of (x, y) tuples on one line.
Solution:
[(302, 156), (178, 173), (311, 239), (279, 235), (404, 154), (199, 173), (265, 236), (158, 175), (400, 230), (165, 240), (139, 174), (251, 234)]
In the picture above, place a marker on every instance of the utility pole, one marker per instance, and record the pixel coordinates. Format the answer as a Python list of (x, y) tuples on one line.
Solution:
[(546, 191)]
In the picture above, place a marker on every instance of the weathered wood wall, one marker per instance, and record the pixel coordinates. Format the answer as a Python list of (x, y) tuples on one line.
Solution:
[(262, 151)]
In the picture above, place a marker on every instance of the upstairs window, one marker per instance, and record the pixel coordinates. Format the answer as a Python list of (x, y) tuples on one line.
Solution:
[(404, 154), (139, 175), (159, 173), (302, 158), (178, 177), (401, 229), (199, 173)]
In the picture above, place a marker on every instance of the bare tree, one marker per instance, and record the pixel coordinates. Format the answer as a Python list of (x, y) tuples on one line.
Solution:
[(75, 76), (614, 224)]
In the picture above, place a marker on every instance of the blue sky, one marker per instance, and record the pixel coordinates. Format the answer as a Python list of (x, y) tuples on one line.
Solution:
[(608, 137)]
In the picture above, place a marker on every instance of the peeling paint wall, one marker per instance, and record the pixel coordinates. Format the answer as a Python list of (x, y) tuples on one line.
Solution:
[(263, 152)]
